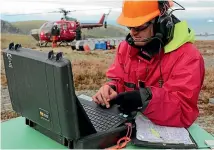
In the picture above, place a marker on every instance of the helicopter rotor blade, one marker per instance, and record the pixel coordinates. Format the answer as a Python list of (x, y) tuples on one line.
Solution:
[(61, 11), (92, 9), (34, 13), (30, 13), (108, 12)]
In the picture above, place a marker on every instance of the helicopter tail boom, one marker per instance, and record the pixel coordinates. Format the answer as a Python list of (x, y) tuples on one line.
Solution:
[(94, 25)]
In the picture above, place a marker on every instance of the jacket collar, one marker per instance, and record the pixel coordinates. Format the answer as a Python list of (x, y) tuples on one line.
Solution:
[(182, 35)]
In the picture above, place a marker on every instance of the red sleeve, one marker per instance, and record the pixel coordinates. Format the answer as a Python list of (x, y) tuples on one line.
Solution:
[(175, 104), (115, 72)]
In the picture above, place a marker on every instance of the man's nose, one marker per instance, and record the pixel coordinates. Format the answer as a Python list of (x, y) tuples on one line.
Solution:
[(133, 31)]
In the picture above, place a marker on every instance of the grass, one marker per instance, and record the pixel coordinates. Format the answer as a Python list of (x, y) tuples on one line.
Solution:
[(24, 40), (208, 86), (3, 80), (8, 115), (206, 47), (110, 31), (93, 74)]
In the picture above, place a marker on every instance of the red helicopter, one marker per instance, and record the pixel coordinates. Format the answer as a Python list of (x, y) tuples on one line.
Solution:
[(69, 29)]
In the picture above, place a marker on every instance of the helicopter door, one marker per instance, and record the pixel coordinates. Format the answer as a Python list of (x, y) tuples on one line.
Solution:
[(64, 26), (65, 30)]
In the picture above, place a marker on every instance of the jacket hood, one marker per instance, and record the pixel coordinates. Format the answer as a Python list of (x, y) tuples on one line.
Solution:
[(182, 35)]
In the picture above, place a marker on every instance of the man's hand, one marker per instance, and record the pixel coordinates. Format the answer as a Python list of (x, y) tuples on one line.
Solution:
[(133, 100), (128, 101), (104, 95)]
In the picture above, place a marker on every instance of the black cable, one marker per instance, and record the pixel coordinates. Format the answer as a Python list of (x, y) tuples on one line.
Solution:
[(160, 81), (182, 8)]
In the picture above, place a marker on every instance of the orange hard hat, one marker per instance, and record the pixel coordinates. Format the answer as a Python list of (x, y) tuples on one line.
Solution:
[(137, 12)]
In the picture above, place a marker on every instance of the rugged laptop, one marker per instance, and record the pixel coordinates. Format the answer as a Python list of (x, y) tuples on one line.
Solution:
[(42, 90)]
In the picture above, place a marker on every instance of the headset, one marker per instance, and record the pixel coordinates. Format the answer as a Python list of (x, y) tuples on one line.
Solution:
[(163, 26)]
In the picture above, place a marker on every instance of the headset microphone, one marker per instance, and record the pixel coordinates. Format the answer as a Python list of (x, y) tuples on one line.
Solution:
[(158, 36)]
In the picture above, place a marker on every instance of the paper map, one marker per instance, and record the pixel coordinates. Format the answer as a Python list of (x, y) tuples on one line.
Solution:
[(148, 131)]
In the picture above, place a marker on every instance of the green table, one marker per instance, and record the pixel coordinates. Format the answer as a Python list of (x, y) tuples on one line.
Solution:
[(16, 135)]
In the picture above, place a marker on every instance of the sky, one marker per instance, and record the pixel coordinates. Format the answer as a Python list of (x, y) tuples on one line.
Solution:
[(195, 9)]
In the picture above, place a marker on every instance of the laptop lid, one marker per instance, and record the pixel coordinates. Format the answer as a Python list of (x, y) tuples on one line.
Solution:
[(42, 90)]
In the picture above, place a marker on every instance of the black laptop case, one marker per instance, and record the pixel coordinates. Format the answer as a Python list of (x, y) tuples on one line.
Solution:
[(38, 89)]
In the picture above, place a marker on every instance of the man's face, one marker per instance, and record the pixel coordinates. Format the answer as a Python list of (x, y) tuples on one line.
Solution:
[(141, 33)]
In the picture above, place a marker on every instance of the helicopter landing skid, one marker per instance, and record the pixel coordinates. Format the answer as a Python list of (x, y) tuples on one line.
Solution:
[(64, 42), (41, 44), (45, 44)]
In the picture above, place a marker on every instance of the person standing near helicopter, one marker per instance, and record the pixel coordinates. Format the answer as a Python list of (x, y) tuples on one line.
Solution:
[(55, 32)]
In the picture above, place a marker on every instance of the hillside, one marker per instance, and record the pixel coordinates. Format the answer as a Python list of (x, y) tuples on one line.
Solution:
[(7, 27), (27, 26), (110, 31)]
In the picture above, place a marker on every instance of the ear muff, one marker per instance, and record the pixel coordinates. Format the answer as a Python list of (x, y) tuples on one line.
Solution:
[(165, 26), (164, 23)]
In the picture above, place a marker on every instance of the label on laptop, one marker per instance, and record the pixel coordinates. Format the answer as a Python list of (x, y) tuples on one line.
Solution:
[(44, 114)]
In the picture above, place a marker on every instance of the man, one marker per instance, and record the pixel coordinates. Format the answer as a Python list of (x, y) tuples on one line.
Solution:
[(55, 32), (157, 70)]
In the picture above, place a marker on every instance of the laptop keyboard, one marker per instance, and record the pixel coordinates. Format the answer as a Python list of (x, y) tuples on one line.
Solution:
[(101, 120)]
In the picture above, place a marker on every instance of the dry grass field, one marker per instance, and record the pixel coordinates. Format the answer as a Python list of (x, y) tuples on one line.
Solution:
[(89, 73)]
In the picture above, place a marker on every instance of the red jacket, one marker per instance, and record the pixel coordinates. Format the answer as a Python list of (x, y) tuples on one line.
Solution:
[(173, 104)]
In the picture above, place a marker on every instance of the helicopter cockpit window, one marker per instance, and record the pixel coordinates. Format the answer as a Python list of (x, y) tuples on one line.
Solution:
[(48, 26), (58, 25)]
